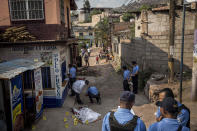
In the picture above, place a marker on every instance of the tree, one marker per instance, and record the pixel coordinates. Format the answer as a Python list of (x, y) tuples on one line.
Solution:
[(86, 6), (127, 16), (102, 31), (93, 12)]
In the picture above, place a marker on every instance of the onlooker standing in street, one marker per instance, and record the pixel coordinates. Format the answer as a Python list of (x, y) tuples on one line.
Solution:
[(123, 119), (93, 92), (184, 113), (89, 51), (97, 59), (86, 58), (169, 111), (72, 77), (77, 88), (134, 75), (126, 76)]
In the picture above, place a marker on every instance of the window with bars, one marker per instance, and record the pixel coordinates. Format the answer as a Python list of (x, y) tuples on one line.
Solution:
[(26, 9), (62, 13)]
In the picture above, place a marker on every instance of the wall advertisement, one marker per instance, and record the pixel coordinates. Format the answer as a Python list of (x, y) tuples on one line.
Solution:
[(17, 100), (38, 91)]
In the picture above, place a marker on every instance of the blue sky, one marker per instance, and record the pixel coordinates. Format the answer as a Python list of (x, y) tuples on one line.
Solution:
[(102, 3)]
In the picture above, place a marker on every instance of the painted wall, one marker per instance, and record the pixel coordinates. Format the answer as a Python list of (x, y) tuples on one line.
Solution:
[(52, 11), (4, 13), (51, 7), (39, 53)]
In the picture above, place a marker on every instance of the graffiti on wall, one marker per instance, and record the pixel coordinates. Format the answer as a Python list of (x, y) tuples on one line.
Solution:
[(46, 57)]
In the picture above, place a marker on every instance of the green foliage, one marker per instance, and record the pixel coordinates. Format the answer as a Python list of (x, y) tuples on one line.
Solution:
[(127, 16), (94, 12), (102, 30), (86, 5), (145, 7), (132, 30)]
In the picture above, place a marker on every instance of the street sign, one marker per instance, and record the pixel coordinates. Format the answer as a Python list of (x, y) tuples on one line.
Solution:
[(190, 1)]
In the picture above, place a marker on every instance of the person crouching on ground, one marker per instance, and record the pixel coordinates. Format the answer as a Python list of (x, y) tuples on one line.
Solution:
[(126, 76), (169, 111), (123, 119), (78, 87), (93, 92)]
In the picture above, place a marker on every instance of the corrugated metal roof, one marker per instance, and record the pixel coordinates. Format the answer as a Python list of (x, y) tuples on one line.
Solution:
[(12, 68)]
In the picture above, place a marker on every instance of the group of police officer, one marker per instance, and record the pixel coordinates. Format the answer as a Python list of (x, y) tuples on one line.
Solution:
[(171, 115)]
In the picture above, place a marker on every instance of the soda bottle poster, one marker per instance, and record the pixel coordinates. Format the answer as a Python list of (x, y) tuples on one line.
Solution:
[(17, 100)]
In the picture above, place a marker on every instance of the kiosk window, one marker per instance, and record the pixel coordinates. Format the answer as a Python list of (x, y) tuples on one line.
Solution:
[(28, 79), (46, 77)]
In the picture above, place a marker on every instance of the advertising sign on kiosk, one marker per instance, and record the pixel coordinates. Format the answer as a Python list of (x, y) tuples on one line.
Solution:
[(14, 80)]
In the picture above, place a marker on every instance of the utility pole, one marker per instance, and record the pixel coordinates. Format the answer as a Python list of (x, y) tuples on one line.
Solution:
[(194, 72), (171, 41)]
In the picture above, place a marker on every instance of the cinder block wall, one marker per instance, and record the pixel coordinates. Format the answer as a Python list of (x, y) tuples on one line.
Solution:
[(152, 50)]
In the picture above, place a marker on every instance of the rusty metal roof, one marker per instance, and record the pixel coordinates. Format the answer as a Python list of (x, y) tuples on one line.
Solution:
[(13, 68)]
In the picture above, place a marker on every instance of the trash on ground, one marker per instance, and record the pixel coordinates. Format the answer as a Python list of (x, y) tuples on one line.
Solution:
[(86, 115)]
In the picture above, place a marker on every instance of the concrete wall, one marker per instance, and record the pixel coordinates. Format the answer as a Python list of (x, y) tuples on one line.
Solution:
[(151, 50), (4, 13)]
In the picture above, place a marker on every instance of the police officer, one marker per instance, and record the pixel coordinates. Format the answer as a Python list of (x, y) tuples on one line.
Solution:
[(93, 92), (184, 113), (134, 75), (123, 119), (72, 77), (126, 76), (169, 111)]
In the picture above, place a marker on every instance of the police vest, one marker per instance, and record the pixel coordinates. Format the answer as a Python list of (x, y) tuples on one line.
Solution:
[(184, 107), (115, 126)]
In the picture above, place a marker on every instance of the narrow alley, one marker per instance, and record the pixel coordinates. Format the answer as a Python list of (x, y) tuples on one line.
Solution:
[(109, 84)]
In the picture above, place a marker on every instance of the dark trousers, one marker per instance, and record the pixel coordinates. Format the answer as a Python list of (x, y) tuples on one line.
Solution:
[(78, 98), (72, 80), (135, 83), (126, 85), (98, 97)]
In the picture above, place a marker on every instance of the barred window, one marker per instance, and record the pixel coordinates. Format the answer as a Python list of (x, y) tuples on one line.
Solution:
[(26, 9)]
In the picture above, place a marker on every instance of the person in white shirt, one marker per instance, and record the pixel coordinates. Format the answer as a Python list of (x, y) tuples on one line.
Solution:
[(89, 51), (78, 87)]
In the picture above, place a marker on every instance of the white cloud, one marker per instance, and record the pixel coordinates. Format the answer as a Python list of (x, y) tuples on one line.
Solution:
[(102, 3)]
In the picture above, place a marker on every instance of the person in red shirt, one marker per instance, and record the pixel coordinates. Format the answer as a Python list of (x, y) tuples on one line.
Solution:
[(97, 59)]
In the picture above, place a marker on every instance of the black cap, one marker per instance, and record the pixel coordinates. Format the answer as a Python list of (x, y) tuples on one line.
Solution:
[(168, 104), (127, 96)]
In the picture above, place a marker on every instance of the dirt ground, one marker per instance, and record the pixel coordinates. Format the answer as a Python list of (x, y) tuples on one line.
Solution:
[(109, 84)]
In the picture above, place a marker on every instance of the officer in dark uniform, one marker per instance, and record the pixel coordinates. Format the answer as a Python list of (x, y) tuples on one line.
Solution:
[(123, 119)]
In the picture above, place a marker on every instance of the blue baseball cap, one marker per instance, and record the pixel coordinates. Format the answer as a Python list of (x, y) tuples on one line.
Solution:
[(127, 96)]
